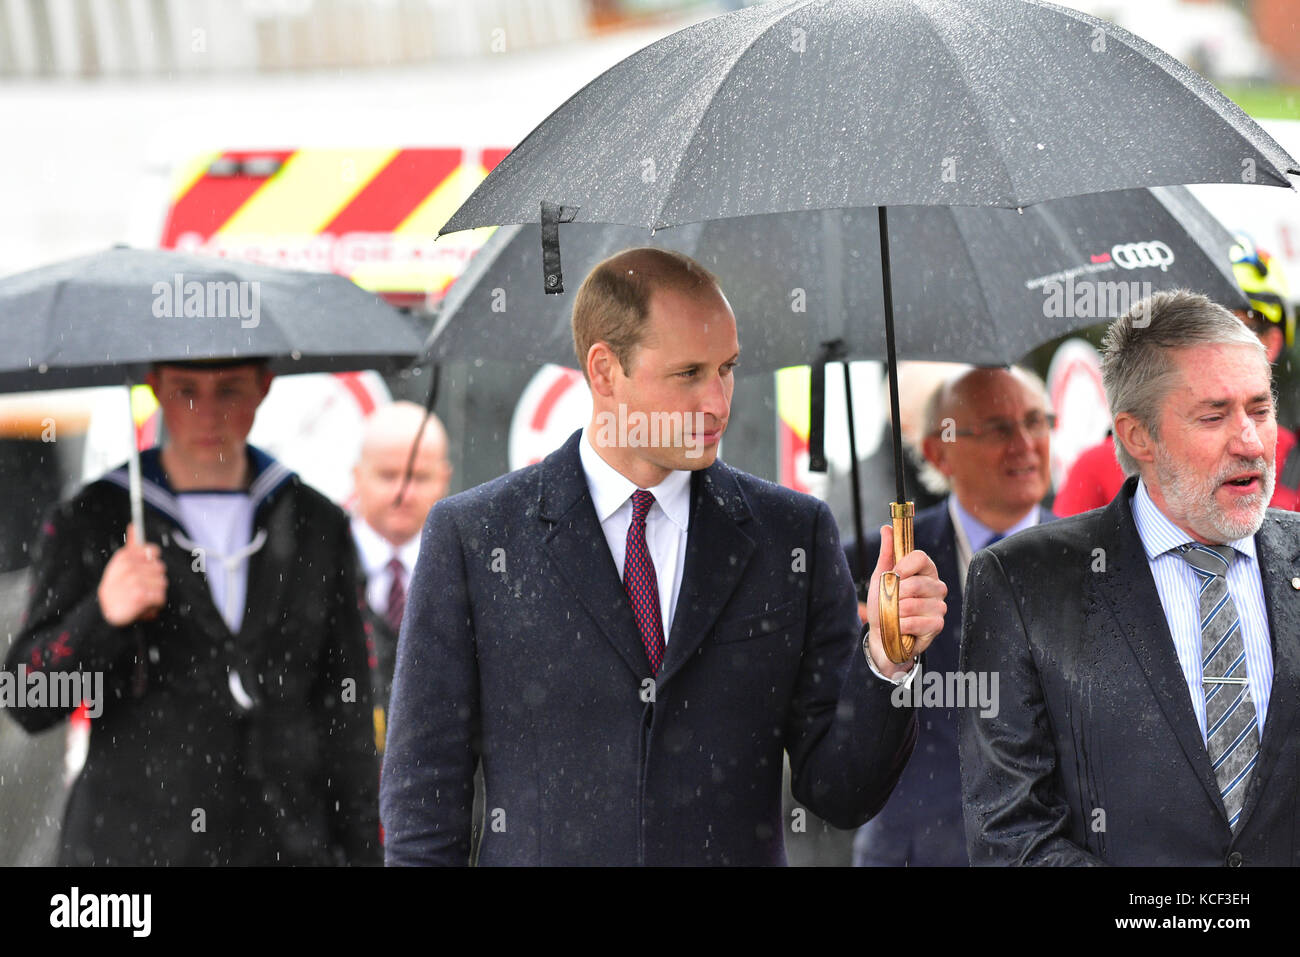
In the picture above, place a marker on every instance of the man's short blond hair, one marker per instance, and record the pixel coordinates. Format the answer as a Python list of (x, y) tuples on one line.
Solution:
[(613, 302)]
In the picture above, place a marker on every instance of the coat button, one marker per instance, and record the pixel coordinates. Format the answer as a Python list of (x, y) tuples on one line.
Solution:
[(1295, 583), (1235, 859)]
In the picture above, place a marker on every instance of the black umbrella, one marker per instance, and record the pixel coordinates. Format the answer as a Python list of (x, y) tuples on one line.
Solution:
[(103, 319), (971, 284), (825, 104)]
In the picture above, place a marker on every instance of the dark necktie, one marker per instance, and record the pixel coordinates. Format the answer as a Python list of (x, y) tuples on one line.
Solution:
[(641, 584), (1231, 725), (396, 595)]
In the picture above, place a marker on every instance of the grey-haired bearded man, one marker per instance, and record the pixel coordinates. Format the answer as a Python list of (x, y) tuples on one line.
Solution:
[(1148, 652)]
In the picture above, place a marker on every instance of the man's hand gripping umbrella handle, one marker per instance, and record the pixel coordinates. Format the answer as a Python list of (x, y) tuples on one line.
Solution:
[(897, 645)]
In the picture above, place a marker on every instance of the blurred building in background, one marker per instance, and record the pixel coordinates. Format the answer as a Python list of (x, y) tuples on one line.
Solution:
[(87, 38), (1225, 39), (1275, 22)]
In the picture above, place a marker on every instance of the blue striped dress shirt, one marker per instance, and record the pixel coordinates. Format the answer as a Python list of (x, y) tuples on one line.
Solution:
[(1179, 589)]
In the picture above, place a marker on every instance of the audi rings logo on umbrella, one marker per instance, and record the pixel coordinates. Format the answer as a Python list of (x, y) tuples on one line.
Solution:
[(1152, 253)]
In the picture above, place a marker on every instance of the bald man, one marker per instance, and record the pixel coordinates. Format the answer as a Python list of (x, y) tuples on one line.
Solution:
[(387, 530), (987, 440)]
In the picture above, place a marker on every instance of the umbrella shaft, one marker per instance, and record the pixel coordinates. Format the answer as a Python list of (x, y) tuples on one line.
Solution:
[(891, 356), (135, 490)]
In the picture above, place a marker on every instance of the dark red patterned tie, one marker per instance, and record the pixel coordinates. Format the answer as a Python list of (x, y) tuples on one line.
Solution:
[(396, 595), (641, 584)]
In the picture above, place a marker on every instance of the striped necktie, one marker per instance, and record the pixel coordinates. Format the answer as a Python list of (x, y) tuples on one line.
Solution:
[(396, 595), (641, 582), (1231, 725)]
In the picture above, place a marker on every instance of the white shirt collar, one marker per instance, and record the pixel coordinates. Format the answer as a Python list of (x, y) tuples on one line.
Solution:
[(1158, 532), (376, 551), (610, 489)]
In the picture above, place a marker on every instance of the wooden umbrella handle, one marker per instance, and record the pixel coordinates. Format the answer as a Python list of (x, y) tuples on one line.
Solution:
[(897, 645)]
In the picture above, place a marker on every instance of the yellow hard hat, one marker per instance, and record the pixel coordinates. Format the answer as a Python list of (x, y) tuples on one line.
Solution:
[(1260, 277)]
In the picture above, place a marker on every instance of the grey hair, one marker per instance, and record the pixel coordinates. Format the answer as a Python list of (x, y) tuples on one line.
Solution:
[(1138, 367), (935, 481)]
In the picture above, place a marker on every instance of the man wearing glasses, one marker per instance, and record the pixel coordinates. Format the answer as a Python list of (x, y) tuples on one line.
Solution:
[(987, 436)]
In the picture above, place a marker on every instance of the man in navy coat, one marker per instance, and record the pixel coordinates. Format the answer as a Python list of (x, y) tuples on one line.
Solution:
[(987, 438), (629, 669)]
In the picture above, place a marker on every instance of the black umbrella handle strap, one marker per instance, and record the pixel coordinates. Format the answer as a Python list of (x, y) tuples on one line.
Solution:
[(552, 215), (829, 352), (435, 371)]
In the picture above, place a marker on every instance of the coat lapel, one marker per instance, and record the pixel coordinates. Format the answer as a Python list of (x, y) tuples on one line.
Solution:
[(1132, 597), (1278, 554), (577, 548), (717, 554), (1124, 596)]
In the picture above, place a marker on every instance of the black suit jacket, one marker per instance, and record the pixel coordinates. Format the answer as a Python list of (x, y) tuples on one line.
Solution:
[(1095, 755), (921, 825), (519, 650)]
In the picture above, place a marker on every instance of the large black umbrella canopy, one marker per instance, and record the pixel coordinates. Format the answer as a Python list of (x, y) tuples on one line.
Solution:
[(816, 104), (970, 284), (101, 319)]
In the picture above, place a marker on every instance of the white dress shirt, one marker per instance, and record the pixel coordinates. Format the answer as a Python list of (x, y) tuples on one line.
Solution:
[(376, 552), (666, 524), (1179, 591)]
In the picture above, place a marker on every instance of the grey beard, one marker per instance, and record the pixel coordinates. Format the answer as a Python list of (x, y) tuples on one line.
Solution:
[(1192, 495)]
